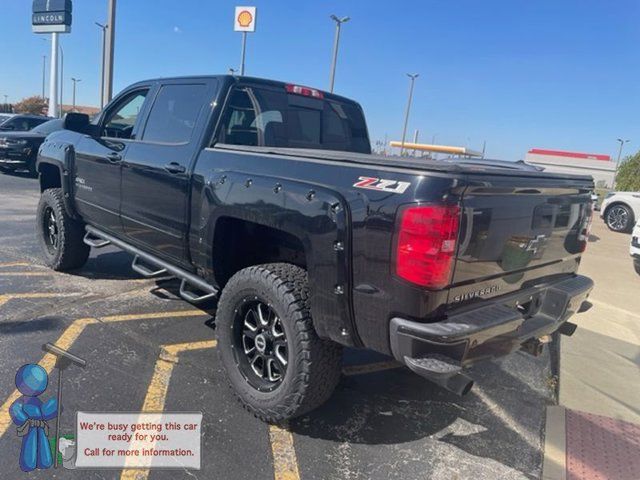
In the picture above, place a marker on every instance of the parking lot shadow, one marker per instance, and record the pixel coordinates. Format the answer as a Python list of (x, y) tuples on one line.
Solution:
[(501, 419), (114, 265), (36, 325)]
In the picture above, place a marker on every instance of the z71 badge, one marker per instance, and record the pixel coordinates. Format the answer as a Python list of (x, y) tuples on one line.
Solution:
[(381, 184)]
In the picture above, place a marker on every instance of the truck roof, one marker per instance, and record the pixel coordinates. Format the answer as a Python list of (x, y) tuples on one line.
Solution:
[(245, 79)]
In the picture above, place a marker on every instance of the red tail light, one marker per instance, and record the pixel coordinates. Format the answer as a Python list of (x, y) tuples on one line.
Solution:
[(305, 91), (426, 244)]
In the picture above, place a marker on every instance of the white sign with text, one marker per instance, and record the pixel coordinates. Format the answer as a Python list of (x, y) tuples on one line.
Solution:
[(138, 440)]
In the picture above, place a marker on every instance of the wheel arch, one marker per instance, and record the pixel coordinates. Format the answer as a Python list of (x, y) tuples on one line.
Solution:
[(55, 167), (309, 225)]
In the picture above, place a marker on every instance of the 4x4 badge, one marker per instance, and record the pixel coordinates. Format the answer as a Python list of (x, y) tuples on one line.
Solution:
[(381, 184)]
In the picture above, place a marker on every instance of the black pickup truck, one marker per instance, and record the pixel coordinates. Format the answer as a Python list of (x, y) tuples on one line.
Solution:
[(265, 196)]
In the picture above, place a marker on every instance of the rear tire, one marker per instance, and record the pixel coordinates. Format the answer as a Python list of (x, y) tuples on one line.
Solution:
[(59, 235), (272, 357), (619, 218)]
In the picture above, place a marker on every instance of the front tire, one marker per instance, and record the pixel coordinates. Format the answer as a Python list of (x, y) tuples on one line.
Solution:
[(59, 235), (619, 218), (272, 357)]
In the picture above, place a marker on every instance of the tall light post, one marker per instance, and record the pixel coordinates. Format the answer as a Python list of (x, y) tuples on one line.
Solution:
[(104, 52), (615, 175), (61, 78), (53, 77), (5, 99), (107, 75), (413, 77), (75, 82), (61, 51), (44, 74), (336, 43)]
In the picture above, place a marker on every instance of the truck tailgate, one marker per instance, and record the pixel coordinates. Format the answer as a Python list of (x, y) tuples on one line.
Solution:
[(518, 234)]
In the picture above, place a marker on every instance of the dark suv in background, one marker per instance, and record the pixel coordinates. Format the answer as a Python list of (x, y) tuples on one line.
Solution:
[(22, 123), (19, 150)]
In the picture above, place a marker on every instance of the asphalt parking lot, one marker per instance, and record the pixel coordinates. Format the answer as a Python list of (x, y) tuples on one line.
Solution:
[(145, 348)]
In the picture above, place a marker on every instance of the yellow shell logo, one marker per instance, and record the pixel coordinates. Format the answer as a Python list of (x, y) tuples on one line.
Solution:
[(245, 18)]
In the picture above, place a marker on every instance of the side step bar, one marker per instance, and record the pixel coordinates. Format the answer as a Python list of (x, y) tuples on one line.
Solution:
[(143, 270), (200, 290), (94, 241)]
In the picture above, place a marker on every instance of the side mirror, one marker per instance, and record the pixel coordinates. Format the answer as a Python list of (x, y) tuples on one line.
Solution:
[(77, 122)]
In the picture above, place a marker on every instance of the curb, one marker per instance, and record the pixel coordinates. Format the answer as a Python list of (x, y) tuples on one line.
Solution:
[(554, 466)]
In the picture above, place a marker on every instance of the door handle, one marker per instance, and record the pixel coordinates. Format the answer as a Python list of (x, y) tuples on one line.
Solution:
[(175, 167), (114, 157)]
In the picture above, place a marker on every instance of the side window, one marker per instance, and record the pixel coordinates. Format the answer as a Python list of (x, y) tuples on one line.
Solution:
[(240, 126), (121, 120), (34, 122), (174, 113)]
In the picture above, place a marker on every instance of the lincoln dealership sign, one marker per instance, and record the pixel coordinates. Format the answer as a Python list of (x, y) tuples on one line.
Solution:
[(51, 16)]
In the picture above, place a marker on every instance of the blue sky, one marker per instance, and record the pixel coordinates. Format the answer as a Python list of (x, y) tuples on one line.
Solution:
[(518, 74)]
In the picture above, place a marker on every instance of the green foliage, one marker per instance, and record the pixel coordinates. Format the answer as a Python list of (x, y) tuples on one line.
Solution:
[(628, 178)]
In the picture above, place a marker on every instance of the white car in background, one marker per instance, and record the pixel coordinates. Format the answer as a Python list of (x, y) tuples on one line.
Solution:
[(620, 210), (634, 250)]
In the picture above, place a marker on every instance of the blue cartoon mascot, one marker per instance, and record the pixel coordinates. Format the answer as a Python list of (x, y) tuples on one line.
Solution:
[(31, 415)]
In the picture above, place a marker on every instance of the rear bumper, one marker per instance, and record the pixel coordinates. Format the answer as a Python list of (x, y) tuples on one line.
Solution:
[(496, 328)]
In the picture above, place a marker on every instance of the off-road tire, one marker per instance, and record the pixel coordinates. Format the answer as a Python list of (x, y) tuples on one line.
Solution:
[(71, 251), (314, 364)]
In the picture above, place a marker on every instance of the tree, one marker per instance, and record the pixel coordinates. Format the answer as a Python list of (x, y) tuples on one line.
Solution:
[(33, 105), (628, 177)]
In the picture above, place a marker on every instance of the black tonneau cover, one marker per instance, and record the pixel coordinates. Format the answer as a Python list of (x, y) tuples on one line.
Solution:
[(451, 165)]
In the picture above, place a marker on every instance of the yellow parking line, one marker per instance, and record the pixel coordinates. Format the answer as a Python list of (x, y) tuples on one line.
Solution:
[(159, 386), (285, 462), (369, 368), (142, 316), (17, 264), (26, 274), (10, 296), (67, 339)]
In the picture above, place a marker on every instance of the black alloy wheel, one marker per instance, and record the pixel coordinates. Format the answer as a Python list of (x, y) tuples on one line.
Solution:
[(260, 345)]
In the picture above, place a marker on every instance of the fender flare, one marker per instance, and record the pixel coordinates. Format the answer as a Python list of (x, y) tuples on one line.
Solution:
[(317, 216), (61, 156)]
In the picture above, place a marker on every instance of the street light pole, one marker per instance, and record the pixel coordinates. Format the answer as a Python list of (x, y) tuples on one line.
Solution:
[(243, 54), (336, 43), (61, 78), (44, 74), (75, 82), (107, 76), (53, 77), (622, 142), (104, 47), (413, 77)]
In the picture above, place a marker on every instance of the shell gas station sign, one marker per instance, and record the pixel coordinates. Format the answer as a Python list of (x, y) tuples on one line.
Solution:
[(245, 19)]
